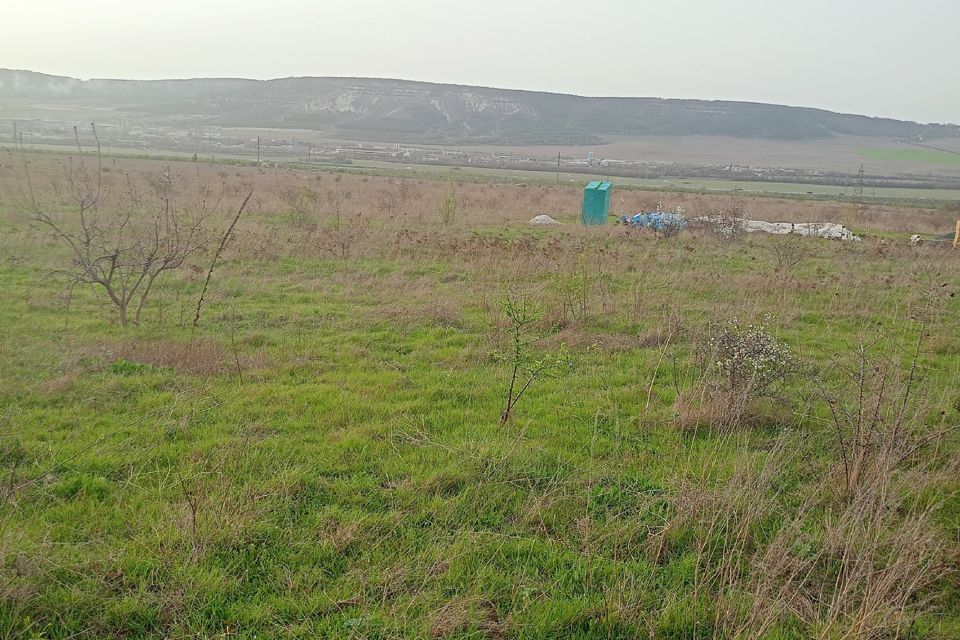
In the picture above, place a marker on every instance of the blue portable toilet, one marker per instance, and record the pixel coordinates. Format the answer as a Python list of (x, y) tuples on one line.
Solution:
[(596, 203)]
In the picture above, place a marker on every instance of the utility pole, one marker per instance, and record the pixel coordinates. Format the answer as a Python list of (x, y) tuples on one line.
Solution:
[(15, 136), (858, 191), (558, 168), (96, 138)]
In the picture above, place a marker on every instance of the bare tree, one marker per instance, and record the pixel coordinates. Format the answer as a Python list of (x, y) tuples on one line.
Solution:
[(120, 240)]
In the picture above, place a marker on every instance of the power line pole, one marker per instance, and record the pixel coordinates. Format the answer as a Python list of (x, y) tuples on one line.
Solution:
[(558, 168), (858, 192)]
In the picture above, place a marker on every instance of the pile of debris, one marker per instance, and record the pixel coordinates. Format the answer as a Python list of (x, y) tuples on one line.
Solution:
[(829, 230), (656, 220)]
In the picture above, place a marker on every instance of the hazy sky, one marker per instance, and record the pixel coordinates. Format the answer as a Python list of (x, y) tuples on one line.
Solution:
[(878, 57)]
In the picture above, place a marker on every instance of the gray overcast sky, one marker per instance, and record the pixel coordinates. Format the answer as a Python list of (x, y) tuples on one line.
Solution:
[(878, 57)]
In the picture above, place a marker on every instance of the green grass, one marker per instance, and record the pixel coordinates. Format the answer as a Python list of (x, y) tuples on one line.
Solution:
[(350, 478), (914, 156)]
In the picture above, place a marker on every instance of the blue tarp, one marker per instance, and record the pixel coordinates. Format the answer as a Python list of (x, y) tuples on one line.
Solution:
[(656, 220)]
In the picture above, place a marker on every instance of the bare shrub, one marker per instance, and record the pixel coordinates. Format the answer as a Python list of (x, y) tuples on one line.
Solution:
[(579, 288), (449, 206), (300, 201), (573, 291), (343, 232), (875, 412), (338, 198), (120, 239), (389, 202), (341, 239), (788, 252), (217, 508)]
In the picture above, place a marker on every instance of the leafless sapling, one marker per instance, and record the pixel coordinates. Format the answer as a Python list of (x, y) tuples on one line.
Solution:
[(525, 366)]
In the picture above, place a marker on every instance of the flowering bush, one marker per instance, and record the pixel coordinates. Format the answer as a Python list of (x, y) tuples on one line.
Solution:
[(751, 359)]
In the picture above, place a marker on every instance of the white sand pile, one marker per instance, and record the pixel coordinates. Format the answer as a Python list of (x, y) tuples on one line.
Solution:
[(543, 219)]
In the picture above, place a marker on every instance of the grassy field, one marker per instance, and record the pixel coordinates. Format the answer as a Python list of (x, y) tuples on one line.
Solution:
[(322, 455), (917, 156)]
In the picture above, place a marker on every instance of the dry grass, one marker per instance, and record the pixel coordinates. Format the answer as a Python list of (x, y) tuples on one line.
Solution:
[(199, 356), (459, 616), (709, 408), (857, 569), (404, 203)]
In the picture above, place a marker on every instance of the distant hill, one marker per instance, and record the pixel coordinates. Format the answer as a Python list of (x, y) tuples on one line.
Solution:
[(363, 108)]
